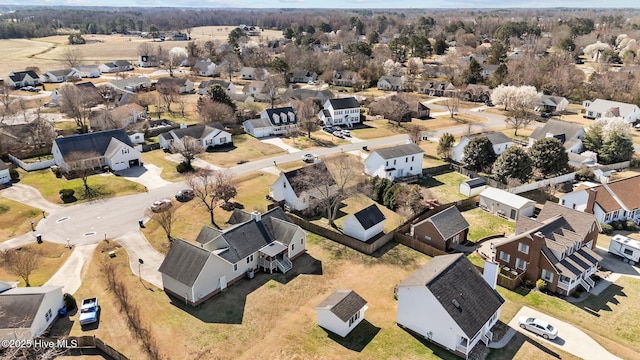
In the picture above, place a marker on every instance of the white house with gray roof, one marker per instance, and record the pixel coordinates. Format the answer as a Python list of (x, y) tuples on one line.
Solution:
[(506, 204), (267, 242), (364, 224), (28, 311), (342, 111), (5, 175), (500, 142), (552, 104), (132, 83), (448, 302), (56, 76), (277, 121), (341, 312), (570, 135), (295, 190), (606, 108), (209, 136), (390, 83), (395, 162), (204, 86), (86, 71)]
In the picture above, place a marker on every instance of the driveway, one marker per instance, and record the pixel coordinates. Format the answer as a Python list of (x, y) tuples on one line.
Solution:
[(29, 196), (616, 265), (138, 247), (274, 140), (69, 276), (570, 338), (148, 175)]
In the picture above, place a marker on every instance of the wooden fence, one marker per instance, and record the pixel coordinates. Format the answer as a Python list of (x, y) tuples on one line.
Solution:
[(417, 244), (91, 345), (505, 281), (437, 170)]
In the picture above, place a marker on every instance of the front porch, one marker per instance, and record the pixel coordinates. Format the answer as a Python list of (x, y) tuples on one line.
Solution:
[(274, 257), (569, 285)]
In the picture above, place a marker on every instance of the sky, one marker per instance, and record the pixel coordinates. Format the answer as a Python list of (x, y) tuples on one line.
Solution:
[(342, 4)]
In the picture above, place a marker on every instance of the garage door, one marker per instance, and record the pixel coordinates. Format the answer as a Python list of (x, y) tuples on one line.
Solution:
[(261, 132)]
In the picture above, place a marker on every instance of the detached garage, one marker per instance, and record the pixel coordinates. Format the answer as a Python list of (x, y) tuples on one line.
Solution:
[(258, 128), (506, 204)]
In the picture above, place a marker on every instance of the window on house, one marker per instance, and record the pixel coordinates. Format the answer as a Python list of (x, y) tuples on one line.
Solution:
[(406, 160), (607, 217), (546, 275), (573, 206), (293, 246), (251, 257), (427, 237), (386, 163), (223, 139), (125, 151), (301, 241), (355, 317), (411, 168), (412, 157), (504, 256), (235, 267), (394, 162), (523, 248), (562, 202)]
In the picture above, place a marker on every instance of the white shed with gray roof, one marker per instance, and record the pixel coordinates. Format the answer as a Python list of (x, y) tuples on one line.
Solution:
[(364, 224), (506, 204), (341, 312)]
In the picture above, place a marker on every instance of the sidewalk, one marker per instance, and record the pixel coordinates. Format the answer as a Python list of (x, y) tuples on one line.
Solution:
[(138, 247)]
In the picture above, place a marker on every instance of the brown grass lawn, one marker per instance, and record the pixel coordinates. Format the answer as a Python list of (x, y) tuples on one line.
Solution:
[(483, 224), (52, 256), (245, 148), (16, 218), (444, 187), (359, 202), (318, 139), (605, 240), (522, 347)]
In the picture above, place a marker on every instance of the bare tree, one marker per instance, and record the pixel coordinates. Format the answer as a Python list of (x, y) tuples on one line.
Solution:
[(83, 164), (307, 114), (21, 263), (395, 109), (210, 111), (77, 104), (72, 57), (5, 99), (165, 219), (104, 120), (188, 147), (225, 188), (203, 185), (41, 132), (518, 119), (415, 133), (167, 91), (272, 88), (453, 104), (145, 49), (230, 63), (152, 98)]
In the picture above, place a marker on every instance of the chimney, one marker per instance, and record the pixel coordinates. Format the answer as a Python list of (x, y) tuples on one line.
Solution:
[(591, 199), (183, 126), (255, 215), (490, 273)]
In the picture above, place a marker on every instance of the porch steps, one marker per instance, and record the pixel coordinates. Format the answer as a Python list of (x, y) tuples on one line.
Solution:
[(284, 266), (585, 284)]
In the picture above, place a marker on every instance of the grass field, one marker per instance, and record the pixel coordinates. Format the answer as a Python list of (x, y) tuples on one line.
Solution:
[(52, 256), (483, 224), (359, 202), (159, 159), (444, 187), (245, 148), (16, 218)]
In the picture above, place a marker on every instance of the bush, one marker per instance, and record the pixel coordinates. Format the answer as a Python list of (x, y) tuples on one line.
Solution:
[(618, 225), (541, 285), (69, 302), (183, 167), (606, 229), (67, 193), (630, 225), (15, 175)]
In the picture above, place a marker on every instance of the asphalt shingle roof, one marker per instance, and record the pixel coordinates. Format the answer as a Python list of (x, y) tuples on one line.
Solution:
[(369, 216), (494, 137), (449, 222), (283, 115), (460, 289), (399, 151), (295, 177), (343, 304), (97, 142), (556, 127), (344, 103), (184, 262), (604, 106)]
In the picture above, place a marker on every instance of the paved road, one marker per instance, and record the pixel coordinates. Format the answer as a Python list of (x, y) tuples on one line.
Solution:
[(570, 338), (29, 195), (69, 276)]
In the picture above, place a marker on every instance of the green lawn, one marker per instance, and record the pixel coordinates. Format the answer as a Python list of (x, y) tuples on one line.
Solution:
[(16, 218), (103, 185), (245, 148), (483, 224), (445, 187), (159, 159)]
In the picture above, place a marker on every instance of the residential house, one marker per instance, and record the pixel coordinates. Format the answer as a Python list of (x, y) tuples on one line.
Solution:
[(56, 76), (85, 71), (296, 192), (557, 247), (606, 108), (115, 66), (341, 312), (303, 76), (254, 88), (395, 162), (506, 204), (118, 117), (87, 88), (145, 61), (448, 302), (341, 111), (268, 242), (111, 148), (570, 135), (182, 85), (488, 70), (578, 160), (210, 136), (500, 142), (473, 187), (345, 78), (249, 73), (419, 110), (228, 87), (304, 94), (5, 175), (204, 68), (477, 93), (391, 83), (437, 88), (277, 121), (617, 200), (132, 84), (27, 312), (444, 229), (20, 79), (552, 104), (364, 224)]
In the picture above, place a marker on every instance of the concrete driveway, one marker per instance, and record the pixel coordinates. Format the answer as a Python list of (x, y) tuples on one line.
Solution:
[(277, 141), (138, 247), (29, 196), (615, 264), (69, 276), (147, 175), (570, 338)]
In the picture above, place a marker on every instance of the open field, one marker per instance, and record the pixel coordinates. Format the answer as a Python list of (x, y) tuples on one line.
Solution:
[(52, 256), (245, 148), (16, 218), (318, 139)]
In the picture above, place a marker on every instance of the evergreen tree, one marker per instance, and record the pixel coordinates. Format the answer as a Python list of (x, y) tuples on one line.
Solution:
[(593, 138), (218, 94), (445, 144), (548, 155), (617, 148), (479, 154), (513, 163)]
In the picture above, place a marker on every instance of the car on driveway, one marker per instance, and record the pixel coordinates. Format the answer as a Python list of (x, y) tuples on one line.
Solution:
[(309, 157), (537, 326), (185, 195), (161, 205), (346, 133), (328, 129)]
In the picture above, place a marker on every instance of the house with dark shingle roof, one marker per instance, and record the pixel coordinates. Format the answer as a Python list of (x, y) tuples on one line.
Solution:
[(118, 117), (297, 190), (115, 66), (210, 136), (181, 85), (56, 76), (395, 162), (613, 201), (443, 229), (267, 242), (448, 302), (341, 312), (390, 83), (556, 247), (27, 312), (570, 135), (204, 86), (276, 121), (500, 142), (340, 111), (364, 224), (20, 79), (302, 76), (111, 148), (204, 68)]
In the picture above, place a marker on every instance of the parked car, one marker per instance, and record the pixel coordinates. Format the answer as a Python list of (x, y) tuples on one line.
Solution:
[(537, 326), (185, 195), (346, 133), (489, 103), (328, 129), (88, 311), (338, 134), (161, 205), (309, 157), (545, 115)]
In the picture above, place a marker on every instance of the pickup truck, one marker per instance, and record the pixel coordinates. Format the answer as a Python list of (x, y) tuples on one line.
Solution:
[(89, 311)]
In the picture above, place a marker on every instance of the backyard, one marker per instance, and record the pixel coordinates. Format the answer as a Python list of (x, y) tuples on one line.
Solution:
[(444, 187), (483, 224)]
